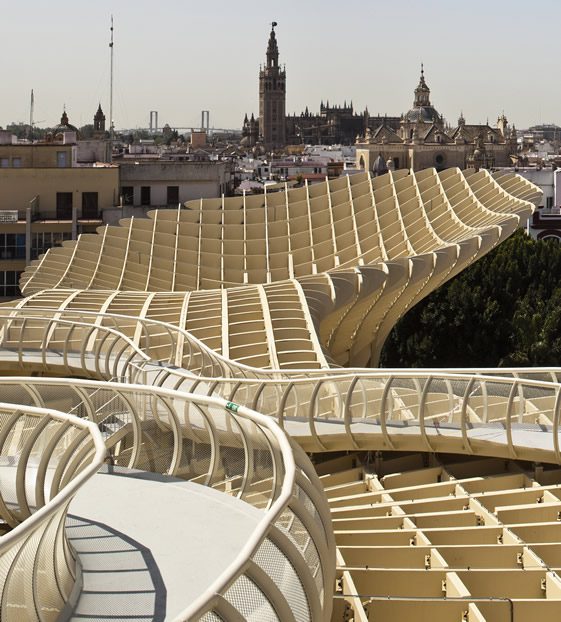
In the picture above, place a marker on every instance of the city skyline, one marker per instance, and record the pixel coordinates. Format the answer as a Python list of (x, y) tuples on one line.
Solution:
[(475, 61)]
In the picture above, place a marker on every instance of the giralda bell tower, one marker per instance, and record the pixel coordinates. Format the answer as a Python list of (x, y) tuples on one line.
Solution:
[(272, 97)]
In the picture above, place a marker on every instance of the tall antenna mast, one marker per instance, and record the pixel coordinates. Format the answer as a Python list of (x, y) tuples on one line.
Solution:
[(111, 127), (31, 117)]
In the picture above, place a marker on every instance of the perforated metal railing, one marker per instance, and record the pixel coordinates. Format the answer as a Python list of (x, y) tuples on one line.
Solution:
[(30, 339), (104, 344), (289, 562), (46, 456), (41, 329), (464, 400), (150, 427), (380, 409)]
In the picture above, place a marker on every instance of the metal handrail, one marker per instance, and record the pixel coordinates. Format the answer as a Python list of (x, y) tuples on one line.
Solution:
[(51, 512), (347, 385), (201, 604), (72, 487), (282, 492)]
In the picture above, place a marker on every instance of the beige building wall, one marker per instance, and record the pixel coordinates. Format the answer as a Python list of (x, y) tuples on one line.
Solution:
[(18, 187), (194, 180), (421, 156), (43, 155)]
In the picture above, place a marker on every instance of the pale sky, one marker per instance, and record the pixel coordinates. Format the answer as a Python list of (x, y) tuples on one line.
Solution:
[(181, 56)]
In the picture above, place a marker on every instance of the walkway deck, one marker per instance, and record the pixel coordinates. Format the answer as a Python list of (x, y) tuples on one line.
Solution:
[(175, 546)]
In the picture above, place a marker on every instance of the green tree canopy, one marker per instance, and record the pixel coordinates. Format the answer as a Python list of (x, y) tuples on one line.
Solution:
[(504, 310)]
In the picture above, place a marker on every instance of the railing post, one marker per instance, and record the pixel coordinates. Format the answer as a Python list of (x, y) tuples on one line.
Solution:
[(422, 405), (556, 413), (347, 412), (463, 415), (510, 404), (383, 402)]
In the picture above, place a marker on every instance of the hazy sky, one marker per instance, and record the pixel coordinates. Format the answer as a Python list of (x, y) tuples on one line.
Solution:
[(182, 56)]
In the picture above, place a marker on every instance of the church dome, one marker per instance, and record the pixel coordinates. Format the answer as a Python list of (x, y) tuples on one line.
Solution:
[(65, 126), (427, 114), (422, 109)]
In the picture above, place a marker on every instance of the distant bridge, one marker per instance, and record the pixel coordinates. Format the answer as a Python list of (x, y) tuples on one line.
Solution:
[(212, 130)]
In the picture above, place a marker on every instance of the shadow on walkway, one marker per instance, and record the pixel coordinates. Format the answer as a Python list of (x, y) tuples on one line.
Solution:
[(121, 580)]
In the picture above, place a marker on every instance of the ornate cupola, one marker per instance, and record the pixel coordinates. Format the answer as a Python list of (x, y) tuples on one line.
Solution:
[(422, 92), (422, 110)]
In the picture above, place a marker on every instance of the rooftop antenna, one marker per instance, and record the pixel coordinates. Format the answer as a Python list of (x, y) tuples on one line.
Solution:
[(31, 106), (111, 126)]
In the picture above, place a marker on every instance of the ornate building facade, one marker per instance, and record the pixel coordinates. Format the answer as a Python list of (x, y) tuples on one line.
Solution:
[(423, 140), (332, 125), (417, 139)]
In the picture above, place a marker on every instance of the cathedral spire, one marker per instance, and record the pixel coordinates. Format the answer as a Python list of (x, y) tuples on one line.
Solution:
[(272, 48), (272, 96), (422, 92)]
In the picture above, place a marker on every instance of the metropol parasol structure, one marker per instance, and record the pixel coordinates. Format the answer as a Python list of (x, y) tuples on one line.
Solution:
[(193, 426)]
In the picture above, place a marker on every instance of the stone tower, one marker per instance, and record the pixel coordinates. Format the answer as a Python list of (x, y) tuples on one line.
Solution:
[(272, 97), (99, 122)]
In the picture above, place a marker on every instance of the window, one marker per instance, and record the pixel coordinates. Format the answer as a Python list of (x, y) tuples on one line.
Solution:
[(127, 193), (5, 162), (12, 245), (61, 159), (396, 163), (549, 203), (145, 195), (43, 240), (89, 205), (9, 284), (173, 195), (16, 162), (64, 205)]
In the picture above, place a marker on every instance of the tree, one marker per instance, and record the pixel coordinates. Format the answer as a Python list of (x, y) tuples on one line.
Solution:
[(503, 310)]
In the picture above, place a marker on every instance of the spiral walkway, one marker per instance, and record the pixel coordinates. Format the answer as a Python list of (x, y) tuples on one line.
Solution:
[(214, 343)]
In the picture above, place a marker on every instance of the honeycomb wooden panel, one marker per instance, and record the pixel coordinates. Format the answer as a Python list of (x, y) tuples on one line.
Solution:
[(419, 229), (431, 543)]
